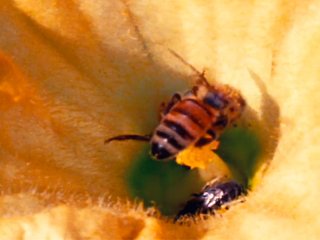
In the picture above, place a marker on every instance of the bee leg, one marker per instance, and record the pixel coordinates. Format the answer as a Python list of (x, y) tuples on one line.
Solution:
[(165, 108), (210, 137), (232, 203), (213, 133), (203, 141), (185, 167), (145, 138), (213, 182)]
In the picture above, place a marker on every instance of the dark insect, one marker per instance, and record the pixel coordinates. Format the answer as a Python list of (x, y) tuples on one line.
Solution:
[(197, 117), (211, 198)]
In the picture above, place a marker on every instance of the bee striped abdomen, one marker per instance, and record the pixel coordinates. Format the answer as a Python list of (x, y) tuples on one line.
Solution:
[(171, 140), (194, 111), (184, 124)]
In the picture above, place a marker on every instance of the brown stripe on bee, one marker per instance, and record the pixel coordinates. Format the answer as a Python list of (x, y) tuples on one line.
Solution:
[(183, 126), (173, 135), (194, 112), (199, 106), (177, 127), (170, 149), (171, 140)]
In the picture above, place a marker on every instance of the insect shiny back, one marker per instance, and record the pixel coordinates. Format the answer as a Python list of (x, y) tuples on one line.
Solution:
[(211, 198)]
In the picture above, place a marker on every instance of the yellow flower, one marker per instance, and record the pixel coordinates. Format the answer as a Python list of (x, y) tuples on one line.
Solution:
[(73, 73)]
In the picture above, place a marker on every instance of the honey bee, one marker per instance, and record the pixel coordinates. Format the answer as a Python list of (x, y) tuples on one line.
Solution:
[(197, 117), (212, 198)]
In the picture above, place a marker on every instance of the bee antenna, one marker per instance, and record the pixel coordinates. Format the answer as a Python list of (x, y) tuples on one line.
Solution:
[(201, 78)]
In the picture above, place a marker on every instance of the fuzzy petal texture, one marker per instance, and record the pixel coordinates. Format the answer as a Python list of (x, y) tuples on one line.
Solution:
[(73, 73)]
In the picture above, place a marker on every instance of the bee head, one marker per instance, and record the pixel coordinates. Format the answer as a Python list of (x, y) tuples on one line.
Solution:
[(236, 105), (225, 99)]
